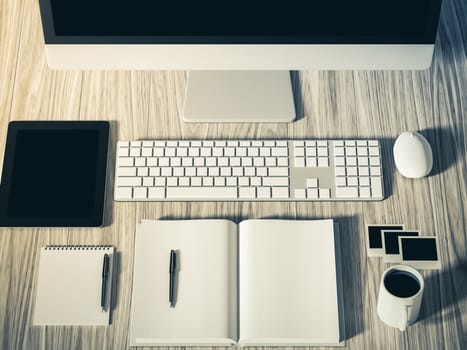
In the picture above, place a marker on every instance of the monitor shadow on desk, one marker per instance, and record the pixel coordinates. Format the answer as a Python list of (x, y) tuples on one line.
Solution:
[(445, 146), (387, 164), (444, 290), (297, 95)]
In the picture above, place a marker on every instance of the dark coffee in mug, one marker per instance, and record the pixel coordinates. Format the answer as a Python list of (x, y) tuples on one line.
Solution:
[(402, 284)]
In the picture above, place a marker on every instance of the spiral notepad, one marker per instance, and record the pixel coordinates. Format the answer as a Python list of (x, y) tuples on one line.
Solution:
[(69, 286)]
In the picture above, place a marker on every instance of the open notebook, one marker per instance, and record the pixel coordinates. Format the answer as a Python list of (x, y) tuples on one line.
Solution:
[(262, 282), (69, 286)]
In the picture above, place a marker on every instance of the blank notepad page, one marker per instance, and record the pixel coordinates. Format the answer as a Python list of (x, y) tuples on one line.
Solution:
[(69, 286)]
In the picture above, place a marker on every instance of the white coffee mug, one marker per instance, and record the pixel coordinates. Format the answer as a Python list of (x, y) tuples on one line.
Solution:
[(400, 296)]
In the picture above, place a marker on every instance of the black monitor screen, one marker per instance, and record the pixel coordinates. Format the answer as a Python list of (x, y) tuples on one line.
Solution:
[(240, 21)]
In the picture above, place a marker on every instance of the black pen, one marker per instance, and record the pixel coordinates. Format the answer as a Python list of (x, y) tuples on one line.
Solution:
[(172, 269), (105, 275)]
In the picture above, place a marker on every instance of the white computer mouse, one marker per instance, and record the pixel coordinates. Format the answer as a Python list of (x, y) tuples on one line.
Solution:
[(413, 155)]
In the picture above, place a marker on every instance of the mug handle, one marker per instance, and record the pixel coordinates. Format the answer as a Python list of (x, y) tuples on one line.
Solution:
[(405, 318)]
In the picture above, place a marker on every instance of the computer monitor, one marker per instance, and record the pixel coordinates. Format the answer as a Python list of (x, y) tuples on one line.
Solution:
[(239, 52)]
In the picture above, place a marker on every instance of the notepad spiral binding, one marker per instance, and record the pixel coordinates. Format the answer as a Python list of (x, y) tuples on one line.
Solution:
[(78, 247)]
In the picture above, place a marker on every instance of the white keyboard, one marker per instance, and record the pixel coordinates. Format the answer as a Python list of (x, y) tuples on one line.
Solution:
[(247, 170)]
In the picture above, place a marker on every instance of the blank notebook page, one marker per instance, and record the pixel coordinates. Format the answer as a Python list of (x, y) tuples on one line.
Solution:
[(288, 290), (69, 286)]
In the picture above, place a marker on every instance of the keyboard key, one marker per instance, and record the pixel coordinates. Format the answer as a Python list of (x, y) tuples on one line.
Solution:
[(339, 161), (322, 152), (170, 152), (123, 193), (374, 161), (313, 182), (299, 162), (202, 192), (300, 193), (166, 171), (282, 161), (255, 181), (312, 193), (376, 187), (352, 171), (375, 171), (128, 181), (324, 193), (135, 152), (351, 161), (124, 161), (352, 181), (299, 143), (264, 192), (280, 192), (195, 181), (364, 181), (243, 181), (146, 152), (235, 161), (193, 152), (226, 171), (208, 181), (219, 181), (323, 162), (262, 171), (247, 192), (123, 152), (140, 161), (339, 151), (347, 192), (364, 192), (363, 171), (183, 181), (253, 152), (172, 181), (126, 171), (279, 151), (299, 152), (311, 152), (275, 181), (340, 171), (278, 172), (140, 192), (231, 181), (311, 162), (362, 151), (341, 181), (143, 171), (159, 182)]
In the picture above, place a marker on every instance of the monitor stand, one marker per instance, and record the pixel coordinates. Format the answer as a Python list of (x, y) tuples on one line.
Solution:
[(239, 96)]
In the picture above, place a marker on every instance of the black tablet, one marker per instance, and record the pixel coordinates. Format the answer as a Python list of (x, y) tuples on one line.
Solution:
[(54, 174)]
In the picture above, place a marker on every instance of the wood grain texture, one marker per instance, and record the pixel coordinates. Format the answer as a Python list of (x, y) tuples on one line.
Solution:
[(147, 105)]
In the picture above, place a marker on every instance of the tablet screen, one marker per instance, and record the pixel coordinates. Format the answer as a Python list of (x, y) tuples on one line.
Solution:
[(54, 177)]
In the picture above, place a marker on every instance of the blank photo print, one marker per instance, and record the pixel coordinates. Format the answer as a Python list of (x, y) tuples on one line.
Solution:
[(420, 252), (374, 240), (391, 244)]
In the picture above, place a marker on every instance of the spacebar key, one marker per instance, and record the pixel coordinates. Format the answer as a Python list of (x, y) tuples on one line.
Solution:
[(201, 192)]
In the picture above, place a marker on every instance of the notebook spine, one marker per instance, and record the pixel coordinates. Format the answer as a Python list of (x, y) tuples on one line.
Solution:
[(78, 247)]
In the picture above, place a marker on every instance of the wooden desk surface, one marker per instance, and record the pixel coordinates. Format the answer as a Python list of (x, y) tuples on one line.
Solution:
[(333, 105)]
